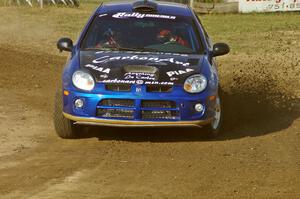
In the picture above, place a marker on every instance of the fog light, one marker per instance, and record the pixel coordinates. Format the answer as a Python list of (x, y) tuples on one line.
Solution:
[(199, 107), (78, 103)]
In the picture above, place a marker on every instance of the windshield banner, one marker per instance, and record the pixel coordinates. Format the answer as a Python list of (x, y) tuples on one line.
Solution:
[(124, 15)]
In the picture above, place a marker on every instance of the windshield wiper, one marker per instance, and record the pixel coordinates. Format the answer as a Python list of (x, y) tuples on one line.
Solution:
[(104, 49), (130, 49), (125, 49)]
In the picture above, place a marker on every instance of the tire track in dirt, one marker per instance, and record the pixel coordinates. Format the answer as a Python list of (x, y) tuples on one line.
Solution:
[(41, 174)]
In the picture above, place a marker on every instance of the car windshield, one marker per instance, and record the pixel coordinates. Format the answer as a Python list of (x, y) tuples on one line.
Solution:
[(142, 32)]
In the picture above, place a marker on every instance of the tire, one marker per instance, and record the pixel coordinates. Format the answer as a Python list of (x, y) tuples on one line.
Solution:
[(214, 129), (64, 127)]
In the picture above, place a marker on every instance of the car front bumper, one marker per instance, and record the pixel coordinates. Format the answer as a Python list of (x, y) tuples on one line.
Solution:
[(174, 109)]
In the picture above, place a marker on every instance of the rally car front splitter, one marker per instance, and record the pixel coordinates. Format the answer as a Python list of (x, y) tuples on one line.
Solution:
[(132, 123)]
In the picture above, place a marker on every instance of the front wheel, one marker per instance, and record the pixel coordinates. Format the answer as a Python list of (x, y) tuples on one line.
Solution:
[(64, 127), (213, 130)]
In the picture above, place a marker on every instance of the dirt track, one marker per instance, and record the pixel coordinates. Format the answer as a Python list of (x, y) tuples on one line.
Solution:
[(258, 156)]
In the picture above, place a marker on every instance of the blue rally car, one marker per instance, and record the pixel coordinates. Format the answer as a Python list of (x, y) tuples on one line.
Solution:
[(140, 64)]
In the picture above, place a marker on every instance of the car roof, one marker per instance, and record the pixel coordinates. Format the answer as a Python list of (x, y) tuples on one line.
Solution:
[(163, 7)]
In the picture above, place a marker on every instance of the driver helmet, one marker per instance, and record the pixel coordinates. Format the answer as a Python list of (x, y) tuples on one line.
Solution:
[(112, 37), (164, 36)]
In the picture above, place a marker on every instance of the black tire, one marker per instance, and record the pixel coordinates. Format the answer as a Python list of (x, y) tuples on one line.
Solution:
[(64, 127), (213, 131)]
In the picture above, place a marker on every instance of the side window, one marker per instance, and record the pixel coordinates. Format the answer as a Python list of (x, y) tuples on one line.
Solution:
[(208, 41)]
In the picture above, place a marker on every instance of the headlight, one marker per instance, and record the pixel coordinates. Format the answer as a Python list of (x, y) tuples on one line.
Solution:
[(195, 84), (83, 80)]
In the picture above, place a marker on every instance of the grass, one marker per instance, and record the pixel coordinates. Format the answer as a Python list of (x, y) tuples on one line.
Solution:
[(253, 31)]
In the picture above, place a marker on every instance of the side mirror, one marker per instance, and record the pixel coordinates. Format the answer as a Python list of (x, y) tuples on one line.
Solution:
[(65, 44), (220, 49)]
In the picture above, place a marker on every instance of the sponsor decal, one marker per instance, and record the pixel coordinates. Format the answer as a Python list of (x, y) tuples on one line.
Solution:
[(142, 76), (107, 58), (97, 68), (173, 79), (158, 83), (179, 72), (125, 15), (102, 15), (139, 82), (119, 81), (105, 76)]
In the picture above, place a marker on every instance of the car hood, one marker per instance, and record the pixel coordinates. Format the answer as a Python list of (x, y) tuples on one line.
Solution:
[(140, 67)]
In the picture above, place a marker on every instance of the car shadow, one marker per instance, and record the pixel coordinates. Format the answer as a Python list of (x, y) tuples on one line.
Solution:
[(245, 115), (252, 114)]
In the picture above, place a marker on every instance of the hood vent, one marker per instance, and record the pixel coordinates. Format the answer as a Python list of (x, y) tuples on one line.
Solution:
[(140, 69)]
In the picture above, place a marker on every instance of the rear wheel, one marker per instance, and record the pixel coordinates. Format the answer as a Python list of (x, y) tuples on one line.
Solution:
[(213, 130), (64, 127)]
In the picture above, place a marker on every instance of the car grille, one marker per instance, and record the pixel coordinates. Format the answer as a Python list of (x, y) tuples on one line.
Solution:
[(117, 103), (159, 110), (159, 89), (138, 109), (149, 88), (158, 104), (118, 87), (159, 115), (115, 113)]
